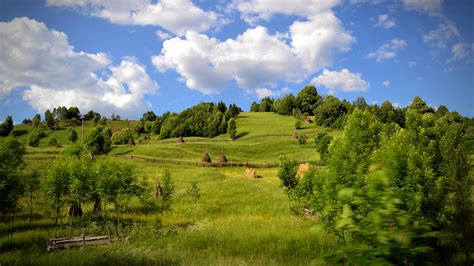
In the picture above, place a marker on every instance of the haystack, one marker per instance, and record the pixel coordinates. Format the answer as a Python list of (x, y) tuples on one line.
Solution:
[(131, 142), (180, 140), (206, 158), (222, 158), (251, 173), (303, 167), (294, 136), (308, 120)]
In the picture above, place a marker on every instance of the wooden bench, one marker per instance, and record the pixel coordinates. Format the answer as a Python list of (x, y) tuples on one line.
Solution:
[(78, 241)]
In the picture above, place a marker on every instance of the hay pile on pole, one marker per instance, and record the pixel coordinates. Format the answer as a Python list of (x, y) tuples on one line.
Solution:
[(131, 142), (294, 136), (206, 158), (180, 140)]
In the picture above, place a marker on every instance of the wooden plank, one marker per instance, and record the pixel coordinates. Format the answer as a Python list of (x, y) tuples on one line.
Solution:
[(67, 242)]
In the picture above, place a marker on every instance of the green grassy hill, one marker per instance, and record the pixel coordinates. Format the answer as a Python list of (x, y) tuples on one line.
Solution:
[(263, 137), (237, 221)]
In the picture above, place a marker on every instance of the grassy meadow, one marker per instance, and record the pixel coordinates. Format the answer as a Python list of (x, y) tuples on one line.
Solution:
[(237, 220)]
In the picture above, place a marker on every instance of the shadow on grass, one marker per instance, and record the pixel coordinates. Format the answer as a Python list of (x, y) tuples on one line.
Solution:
[(22, 227), (241, 134), (124, 152), (17, 133)]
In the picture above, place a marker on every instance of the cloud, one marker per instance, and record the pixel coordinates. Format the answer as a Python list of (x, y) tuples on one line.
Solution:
[(461, 51), (163, 35), (386, 83), (255, 58), (388, 50), (385, 22), (343, 80), (412, 64), (264, 92), (442, 35), (254, 10), (426, 6), (55, 74), (177, 16)]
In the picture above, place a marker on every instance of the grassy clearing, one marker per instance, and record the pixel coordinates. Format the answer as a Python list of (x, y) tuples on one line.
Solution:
[(237, 221)]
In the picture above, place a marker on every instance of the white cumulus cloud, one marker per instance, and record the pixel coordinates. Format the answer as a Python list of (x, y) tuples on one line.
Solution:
[(386, 83), (177, 16), (343, 80), (384, 21), (264, 92), (254, 10), (255, 58), (43, 61), (163, 35), (388, 50)]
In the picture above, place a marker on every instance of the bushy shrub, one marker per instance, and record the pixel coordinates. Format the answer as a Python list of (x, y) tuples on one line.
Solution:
[(122, 137)]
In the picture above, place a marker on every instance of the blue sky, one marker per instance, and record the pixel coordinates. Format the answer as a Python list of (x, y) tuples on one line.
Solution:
[(168, 55)]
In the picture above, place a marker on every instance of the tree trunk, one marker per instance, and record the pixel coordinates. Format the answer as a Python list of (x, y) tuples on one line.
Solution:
[(31, 208), (75, 210), (97, 204), (57, 213), (117, 212)]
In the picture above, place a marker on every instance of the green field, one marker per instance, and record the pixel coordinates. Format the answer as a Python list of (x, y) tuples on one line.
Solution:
[(237, 221)]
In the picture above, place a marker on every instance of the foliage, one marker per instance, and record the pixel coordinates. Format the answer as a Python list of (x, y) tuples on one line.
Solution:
[(167, 192), (6, 127), (91, 115), (266, 104), (322, 141), (102, 120), (49, 119), (302, 140), (30, 181), (72, 135), (36, 120), (255, 107), (116, 184), (232, 128), (55, 185), (331, 112), (287, 173), (233, 110), (63, 113), (308, 99), (122, 137), (52, 142), (98, 141), (149, 116), (391, 193), (298, 124), (361, 103), (35, 137), (420, 106), (11, 160), (194, 191), (285, 105), (204, 120), (115, 117)]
